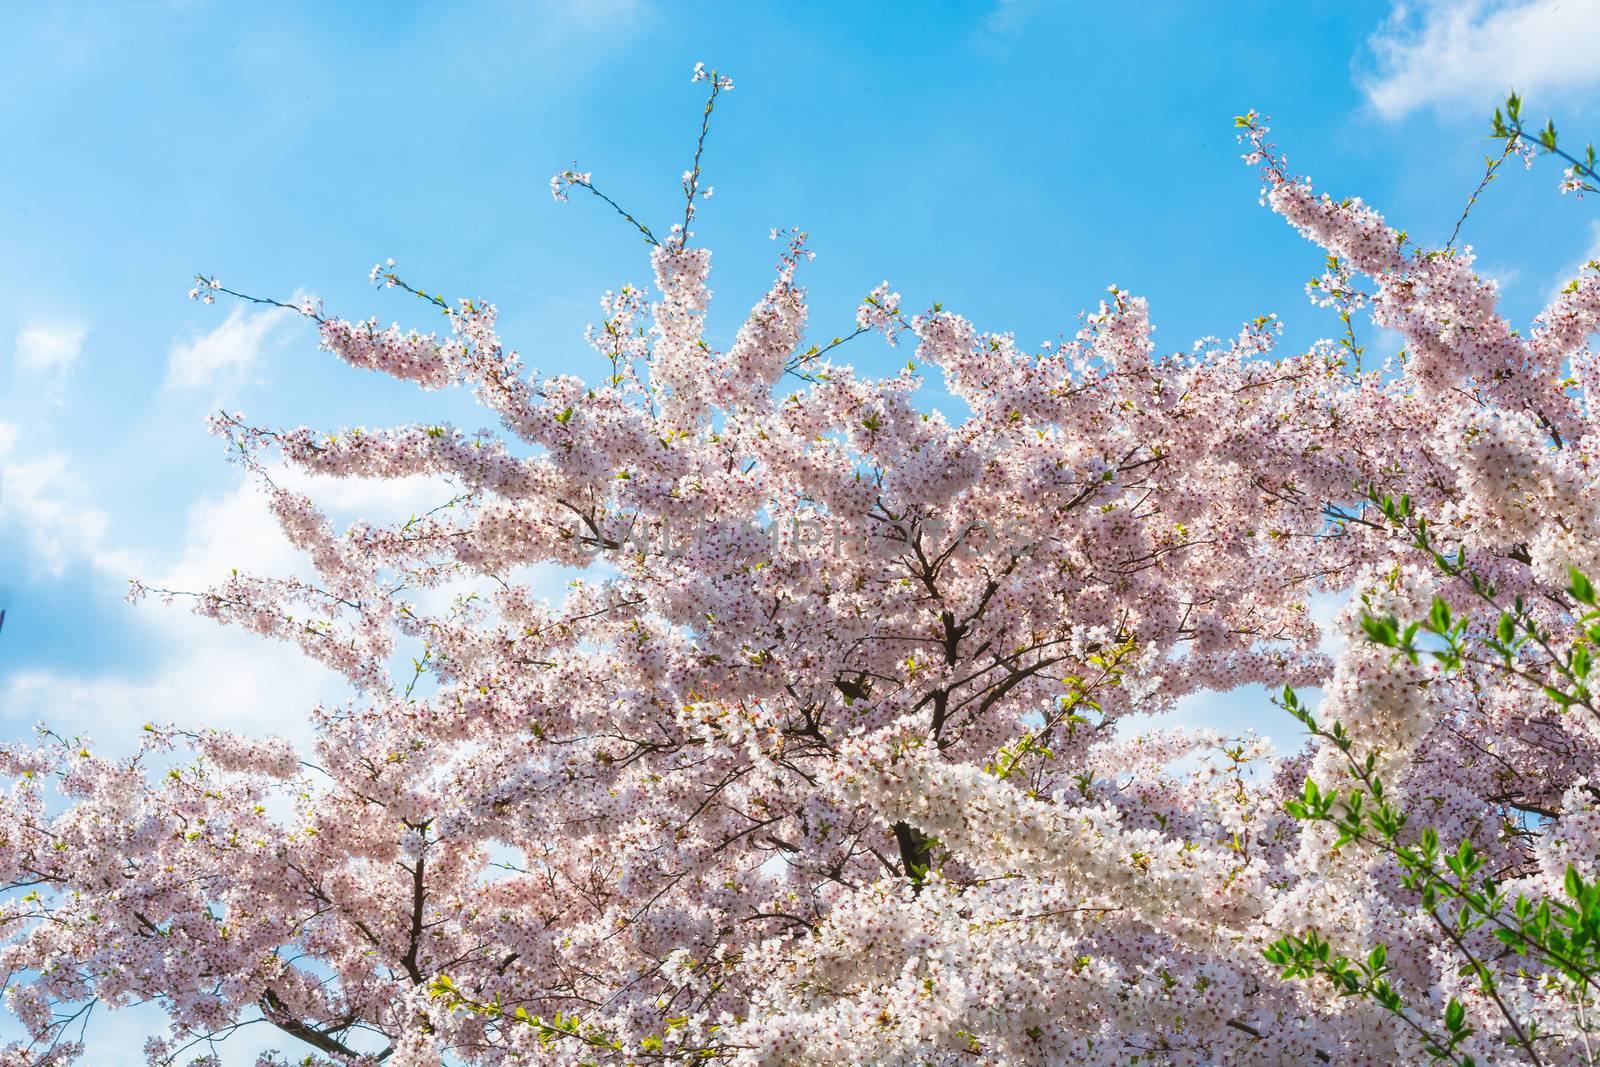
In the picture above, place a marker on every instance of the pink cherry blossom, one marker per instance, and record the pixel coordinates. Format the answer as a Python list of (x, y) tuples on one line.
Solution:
[(825, 754)]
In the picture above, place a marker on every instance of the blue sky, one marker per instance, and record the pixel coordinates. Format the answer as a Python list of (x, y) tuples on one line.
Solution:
[(1009, 159)]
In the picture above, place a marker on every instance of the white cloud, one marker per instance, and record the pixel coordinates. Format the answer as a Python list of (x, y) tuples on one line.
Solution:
[(46, 504), (232, 531), (45, 501), (48, 348), (200, 673), (209, 675), (228, 353), (44, 353), (237, 529), (373, 499), (224, 678), (1470, 53), (204, 674)]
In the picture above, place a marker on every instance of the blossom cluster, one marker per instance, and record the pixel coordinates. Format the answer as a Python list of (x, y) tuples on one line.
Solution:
[(772, 800)]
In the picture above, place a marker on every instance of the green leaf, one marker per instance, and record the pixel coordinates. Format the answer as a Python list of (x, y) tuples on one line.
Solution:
[(1384, 631), (1580, 588), (1559, 697)]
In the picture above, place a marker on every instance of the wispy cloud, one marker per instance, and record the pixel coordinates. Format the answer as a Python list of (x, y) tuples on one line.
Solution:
[(227, 354), (202, 674), (44, 354), (49, 348), (209, 675), (1466, 54), (45, 504)]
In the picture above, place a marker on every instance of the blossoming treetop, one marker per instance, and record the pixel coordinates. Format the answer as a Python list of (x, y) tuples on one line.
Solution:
[(818, 760)]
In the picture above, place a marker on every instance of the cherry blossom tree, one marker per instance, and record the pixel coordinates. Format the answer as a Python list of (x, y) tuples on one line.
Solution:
[(822, 756)]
